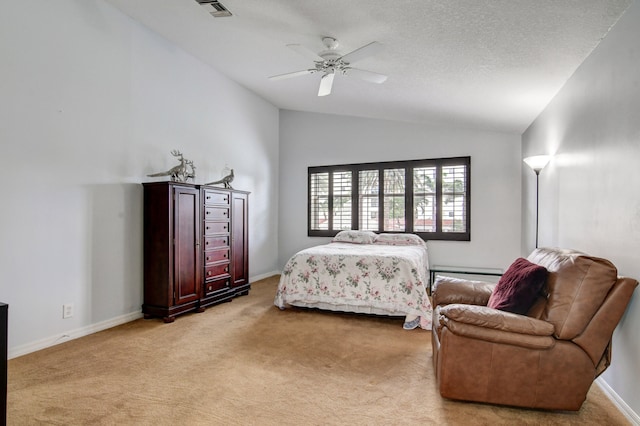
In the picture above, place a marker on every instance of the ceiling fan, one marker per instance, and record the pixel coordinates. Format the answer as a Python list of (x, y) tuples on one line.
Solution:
[(329, 62)]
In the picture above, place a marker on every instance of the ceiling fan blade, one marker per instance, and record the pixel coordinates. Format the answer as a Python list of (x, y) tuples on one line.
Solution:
[(325, 84), (305, 52), (370, 76), (291, 74), (362, 52)]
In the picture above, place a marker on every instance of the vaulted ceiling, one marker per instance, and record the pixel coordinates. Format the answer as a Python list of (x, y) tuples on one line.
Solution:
[(491, 64)]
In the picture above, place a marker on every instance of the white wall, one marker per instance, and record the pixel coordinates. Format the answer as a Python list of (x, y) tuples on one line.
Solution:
[(309, 139), (589, 191), (91, 103)]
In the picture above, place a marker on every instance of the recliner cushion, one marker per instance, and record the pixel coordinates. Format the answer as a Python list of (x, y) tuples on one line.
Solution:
[(518, 287), (577, 286)]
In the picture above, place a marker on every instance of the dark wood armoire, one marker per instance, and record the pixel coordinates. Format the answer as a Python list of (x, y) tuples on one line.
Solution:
[(195, 247)]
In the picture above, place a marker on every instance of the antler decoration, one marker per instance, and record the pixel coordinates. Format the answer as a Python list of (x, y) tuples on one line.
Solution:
[(180, 173)]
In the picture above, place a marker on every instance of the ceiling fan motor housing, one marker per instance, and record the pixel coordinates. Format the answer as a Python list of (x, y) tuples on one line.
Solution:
[(330, 62), (330, 53)]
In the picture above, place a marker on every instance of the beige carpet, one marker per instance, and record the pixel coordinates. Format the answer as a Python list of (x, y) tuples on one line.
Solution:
[(246, 362)]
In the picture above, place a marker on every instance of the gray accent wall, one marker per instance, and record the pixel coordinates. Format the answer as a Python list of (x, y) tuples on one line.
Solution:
[(590, 191)]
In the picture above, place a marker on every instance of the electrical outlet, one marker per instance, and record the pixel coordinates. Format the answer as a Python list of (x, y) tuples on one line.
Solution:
[(67, 310)]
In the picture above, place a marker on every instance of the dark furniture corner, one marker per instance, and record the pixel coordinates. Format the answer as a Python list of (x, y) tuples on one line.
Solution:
[(4, 317)]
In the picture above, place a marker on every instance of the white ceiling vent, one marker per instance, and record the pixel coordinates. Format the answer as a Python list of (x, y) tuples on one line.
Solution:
[(215, 8)]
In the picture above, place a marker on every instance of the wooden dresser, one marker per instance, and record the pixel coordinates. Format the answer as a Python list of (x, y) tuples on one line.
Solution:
[(195, 247)]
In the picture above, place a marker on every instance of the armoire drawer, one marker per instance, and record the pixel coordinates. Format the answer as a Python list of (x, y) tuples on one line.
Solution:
[(213, 197), (216, 242), (216, 256), (211, 228), (216, 285), (216, 271), (216, 213)]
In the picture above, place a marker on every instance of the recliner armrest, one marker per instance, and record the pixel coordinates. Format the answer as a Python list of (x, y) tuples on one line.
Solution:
[(447, 290), (481, 322), (483, 316)]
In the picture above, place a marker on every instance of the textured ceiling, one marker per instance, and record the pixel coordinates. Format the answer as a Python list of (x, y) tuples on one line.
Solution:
[(492, 64)]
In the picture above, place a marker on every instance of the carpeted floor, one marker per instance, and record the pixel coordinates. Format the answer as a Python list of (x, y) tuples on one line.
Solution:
[(248, 363)]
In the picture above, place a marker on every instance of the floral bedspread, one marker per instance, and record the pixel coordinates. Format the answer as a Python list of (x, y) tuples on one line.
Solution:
[(371, 278)]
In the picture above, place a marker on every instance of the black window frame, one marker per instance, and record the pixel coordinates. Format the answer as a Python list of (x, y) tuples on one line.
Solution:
[(408, 165)]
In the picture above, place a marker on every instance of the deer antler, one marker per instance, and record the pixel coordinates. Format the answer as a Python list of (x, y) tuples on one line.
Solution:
[(179, 173)]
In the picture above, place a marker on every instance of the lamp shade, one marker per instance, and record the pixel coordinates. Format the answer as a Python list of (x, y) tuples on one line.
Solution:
[(537, 162)]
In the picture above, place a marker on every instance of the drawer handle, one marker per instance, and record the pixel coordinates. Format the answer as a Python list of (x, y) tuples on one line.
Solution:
[(224, 227), (226, 269), (224, 255), (224, 213), (209, 288), (208, 273), (208, 212)]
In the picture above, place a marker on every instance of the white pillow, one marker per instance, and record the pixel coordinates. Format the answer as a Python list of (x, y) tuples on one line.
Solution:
[(355, 237), (399, 240)]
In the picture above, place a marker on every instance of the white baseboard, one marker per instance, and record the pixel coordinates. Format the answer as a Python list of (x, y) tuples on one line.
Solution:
[(93, 328), (631, 415), (72, 334), (263, 276)]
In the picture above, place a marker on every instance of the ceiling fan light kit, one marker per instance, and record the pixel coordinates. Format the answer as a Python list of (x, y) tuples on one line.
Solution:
[(330, 61)]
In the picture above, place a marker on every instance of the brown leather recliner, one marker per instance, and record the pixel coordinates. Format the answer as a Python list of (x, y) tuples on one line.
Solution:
[(546, 359)]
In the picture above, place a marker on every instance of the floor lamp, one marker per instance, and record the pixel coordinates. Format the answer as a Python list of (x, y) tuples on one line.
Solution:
[(537, 163)]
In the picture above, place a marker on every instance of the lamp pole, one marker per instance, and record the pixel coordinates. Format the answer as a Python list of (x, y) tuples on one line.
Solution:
[(537, 163), (537, 199)]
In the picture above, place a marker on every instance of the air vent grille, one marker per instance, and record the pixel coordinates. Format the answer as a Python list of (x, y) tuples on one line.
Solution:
[(215, 8)]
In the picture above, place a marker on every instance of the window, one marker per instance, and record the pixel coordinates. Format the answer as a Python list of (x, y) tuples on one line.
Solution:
[(428, 197)]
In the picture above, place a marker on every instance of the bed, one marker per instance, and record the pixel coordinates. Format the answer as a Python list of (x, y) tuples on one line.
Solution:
[(362, 272)]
